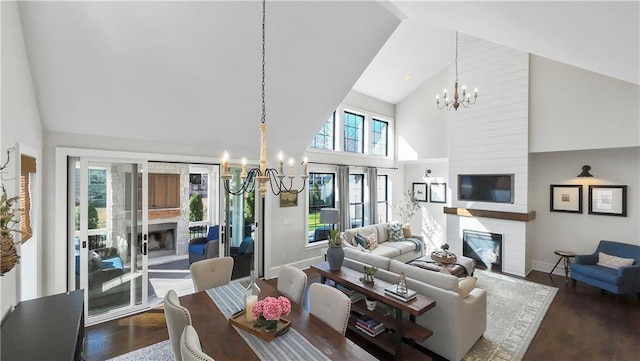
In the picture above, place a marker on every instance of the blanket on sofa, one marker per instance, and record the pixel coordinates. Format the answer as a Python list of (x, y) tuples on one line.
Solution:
[(419, 244)]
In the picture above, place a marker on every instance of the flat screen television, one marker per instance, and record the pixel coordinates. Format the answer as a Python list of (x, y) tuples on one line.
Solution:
[(497, 188)]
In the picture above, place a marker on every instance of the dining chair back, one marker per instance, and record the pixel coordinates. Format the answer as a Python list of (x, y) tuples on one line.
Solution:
[(190, 348), (211, 272), (177, 318), (330, 305), (292, 282)]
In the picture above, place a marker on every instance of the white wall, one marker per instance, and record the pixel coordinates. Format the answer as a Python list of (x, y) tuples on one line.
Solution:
[(22, 125), (580, 233), (573, 109)]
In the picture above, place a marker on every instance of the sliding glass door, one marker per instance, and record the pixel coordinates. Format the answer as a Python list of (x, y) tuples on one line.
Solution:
[(110, 235)]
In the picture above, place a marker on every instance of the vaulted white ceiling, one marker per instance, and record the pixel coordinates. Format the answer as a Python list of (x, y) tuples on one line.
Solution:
[(189, 72)]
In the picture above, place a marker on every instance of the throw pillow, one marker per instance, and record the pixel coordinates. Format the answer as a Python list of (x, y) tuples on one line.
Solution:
[(466, 285), (607, 260), (395, 232), (372, 241), (359, 240), (406, 231)]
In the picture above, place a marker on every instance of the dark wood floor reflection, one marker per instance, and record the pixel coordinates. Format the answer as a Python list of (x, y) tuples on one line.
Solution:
[(582, 324)]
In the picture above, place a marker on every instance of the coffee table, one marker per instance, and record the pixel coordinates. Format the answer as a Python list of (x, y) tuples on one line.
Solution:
[(402, 327)]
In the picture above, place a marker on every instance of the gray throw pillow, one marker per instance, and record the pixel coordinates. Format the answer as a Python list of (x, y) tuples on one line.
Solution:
[(395, 232), (360, 240)]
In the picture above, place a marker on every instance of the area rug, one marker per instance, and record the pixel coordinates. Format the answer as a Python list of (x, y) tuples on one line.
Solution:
[(515, 309)]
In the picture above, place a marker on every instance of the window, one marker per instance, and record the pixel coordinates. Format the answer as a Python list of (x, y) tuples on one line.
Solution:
[(325, 139), (379, 137), (321, 195), (353, 133), (383, 199), (356, 200)]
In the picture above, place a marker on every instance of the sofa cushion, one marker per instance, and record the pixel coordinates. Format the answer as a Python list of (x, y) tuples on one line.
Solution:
[(384, 250), (607, 260), (440, 280), (113, 262), (402, 246), (197, 248), (395, 232), (372, 241), (604, 274), (367, 258), (466, 285)]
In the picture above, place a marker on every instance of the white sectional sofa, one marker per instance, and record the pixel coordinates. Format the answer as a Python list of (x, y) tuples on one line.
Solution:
[(459, 318), (403, 251)]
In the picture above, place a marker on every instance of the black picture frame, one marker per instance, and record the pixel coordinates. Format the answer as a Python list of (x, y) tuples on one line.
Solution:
[(566, 198), (420, 191), (438, 192), (608, 200)]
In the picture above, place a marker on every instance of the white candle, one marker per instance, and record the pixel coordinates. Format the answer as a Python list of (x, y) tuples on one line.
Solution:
[(244, 167), (250, 302), (291, 167), (281, 159), (304, 166)]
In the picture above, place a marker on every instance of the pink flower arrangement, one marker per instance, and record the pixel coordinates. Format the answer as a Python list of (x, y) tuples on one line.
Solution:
[(272, 308)]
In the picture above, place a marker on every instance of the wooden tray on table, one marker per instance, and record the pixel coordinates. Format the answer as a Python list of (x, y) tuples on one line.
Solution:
[(240, 321)]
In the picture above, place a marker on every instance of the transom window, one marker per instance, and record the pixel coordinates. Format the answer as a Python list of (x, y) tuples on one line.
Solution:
[(321, 195), (325, 139), (356, 200), (353, 132), (379, 137)]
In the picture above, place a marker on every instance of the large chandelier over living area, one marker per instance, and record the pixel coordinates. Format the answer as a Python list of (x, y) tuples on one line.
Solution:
[(263, 174), (454, 103)]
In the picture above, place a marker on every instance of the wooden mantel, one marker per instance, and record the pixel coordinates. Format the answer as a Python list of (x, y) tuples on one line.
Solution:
[(510, 216)]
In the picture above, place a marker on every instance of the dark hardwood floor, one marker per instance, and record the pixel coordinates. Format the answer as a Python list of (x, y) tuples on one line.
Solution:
[(581, 324)]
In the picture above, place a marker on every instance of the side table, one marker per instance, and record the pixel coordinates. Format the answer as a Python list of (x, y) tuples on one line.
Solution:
[(565, 257)]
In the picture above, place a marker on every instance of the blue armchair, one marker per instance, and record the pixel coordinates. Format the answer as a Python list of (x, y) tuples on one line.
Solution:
[(205, 247), (624, 280)]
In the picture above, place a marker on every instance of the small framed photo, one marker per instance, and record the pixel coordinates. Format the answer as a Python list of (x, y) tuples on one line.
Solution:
[(420, 192), (438, 192), (608, 200), (566, 198), (288, 199)]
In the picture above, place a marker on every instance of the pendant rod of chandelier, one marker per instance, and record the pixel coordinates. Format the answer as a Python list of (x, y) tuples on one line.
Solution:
[(455, 103), (263, 174)]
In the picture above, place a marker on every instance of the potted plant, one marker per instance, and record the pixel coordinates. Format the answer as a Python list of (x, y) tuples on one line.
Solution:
[(9, 256), (369, 272), (335, 253), (445, 248)]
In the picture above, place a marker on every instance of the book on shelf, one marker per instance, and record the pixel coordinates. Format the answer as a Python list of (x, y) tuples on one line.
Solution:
[(369, 323), (391, 291), (370, 333), (353, 295)]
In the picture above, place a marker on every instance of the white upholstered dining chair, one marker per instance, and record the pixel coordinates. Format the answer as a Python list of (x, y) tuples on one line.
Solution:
[(330, 305), (177, 318), (211, 272), (292, 282), (190, 346)]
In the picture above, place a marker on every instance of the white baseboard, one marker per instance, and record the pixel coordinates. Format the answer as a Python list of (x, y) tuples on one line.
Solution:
[(546, 267)]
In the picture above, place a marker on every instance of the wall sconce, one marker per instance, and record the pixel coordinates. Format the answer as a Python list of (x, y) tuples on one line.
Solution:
[(585, 171), (427, 173)]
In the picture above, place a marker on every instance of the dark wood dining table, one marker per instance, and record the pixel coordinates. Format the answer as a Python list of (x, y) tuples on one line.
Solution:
[(222, 342)]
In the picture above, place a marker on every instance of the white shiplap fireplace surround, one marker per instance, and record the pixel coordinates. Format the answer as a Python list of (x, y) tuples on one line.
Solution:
[(491, 137)]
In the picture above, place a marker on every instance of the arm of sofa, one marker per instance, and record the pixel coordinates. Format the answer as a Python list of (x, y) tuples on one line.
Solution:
[(630, 273), (212, 249), (586, 259), (107, 252)]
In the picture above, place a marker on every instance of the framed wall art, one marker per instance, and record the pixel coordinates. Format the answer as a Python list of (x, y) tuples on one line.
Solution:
[(288, 199), (438, 192), (566, 198), (420, 192), (608, 200)]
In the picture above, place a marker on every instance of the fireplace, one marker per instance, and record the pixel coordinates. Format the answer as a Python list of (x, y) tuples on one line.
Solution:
[(484, 247), (162, 239)]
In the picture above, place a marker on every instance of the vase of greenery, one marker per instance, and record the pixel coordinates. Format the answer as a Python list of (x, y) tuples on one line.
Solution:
[(408, 206), (335, 253)]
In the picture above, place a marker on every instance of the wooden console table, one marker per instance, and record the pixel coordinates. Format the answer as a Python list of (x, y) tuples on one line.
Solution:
[(401, 326), (47, 328)]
